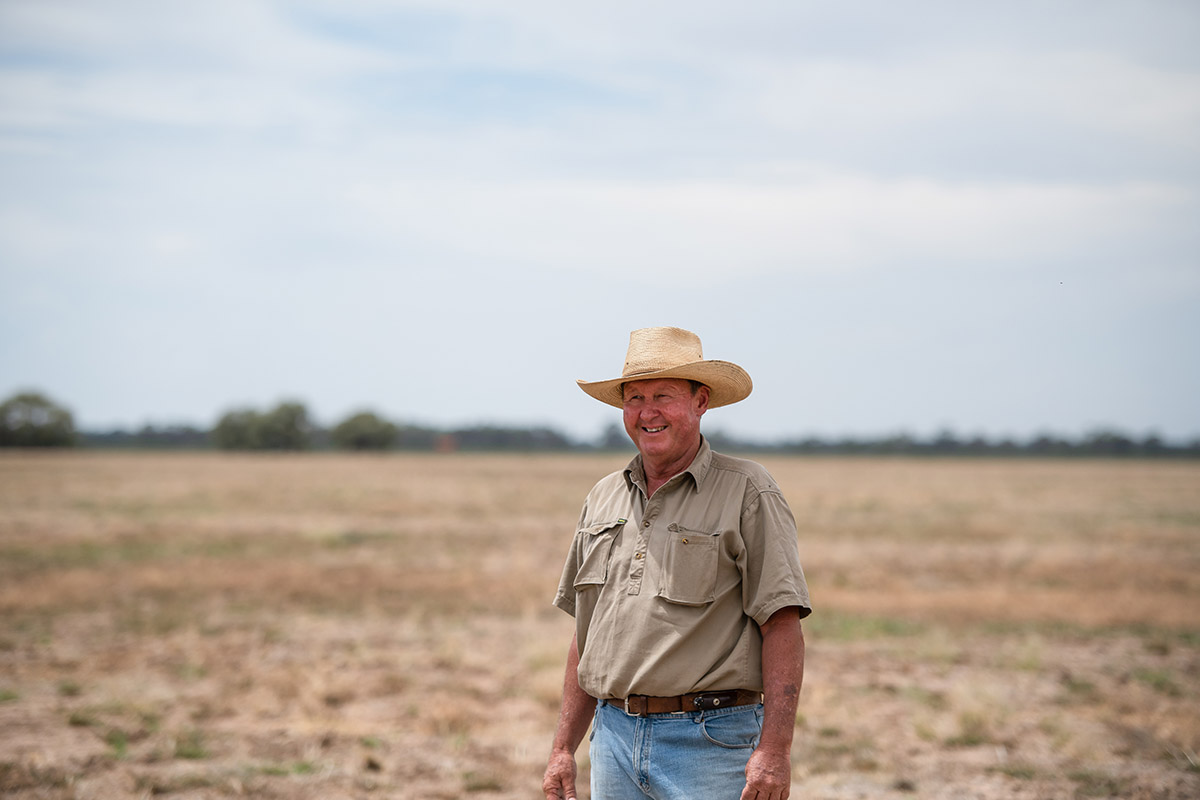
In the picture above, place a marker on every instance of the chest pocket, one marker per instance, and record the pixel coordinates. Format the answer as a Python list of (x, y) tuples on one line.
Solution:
[(595, 544), (690, 566)]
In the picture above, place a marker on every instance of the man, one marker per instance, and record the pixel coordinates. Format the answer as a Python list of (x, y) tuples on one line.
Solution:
[(685, 583)]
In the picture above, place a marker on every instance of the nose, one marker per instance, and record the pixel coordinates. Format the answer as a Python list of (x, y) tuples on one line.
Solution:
[(651, 409)]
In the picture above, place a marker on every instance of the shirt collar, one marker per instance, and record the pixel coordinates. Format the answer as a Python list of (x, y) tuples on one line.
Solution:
[(635, 475)]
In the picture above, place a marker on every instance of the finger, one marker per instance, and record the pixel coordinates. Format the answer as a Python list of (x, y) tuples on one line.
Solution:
[(557, 791)]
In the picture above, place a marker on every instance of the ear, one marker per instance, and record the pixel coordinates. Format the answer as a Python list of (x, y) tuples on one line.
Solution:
[(701, 400)]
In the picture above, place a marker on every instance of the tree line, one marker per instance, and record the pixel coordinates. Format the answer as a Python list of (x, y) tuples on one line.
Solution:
[(30, 419)]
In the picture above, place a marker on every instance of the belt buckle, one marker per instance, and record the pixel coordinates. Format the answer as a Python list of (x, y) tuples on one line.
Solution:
[(629, 713)]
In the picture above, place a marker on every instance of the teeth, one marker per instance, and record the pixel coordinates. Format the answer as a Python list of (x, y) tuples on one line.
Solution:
[(655, 430)]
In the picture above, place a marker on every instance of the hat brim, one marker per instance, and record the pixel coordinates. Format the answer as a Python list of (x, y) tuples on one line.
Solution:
[(727, 382)]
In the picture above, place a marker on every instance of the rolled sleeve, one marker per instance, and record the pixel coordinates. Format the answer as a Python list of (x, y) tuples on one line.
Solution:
[(772, 576), (564, 598)]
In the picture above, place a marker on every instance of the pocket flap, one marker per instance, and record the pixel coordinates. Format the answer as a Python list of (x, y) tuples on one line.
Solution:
[(602, 527), (690, 566), (595, 544)]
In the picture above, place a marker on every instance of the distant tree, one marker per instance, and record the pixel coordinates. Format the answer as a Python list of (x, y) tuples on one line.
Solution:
[(978, 445), (238, 430), (491, 437), (415, 437), (898, 443), (1047, 444), (286, 427), (170, 437), (944, 443), (30, 419), (1153, 445), (1006, 446), (614, 437), (1108, 443), (364, 431), (718, 440)]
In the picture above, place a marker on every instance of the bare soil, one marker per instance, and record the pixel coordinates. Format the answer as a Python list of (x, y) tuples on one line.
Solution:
[(329, 626)]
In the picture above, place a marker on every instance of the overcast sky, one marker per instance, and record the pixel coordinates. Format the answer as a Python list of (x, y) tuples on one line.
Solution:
[(896, 216)]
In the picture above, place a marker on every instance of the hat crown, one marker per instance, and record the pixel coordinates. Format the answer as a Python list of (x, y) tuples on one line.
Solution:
[(672, 353), (655, 349)]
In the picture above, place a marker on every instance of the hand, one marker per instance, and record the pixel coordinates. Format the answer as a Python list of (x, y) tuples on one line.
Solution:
[(768, 776), (559, 782)]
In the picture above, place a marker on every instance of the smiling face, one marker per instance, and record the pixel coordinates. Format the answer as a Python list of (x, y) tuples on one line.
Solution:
[(662, 417)]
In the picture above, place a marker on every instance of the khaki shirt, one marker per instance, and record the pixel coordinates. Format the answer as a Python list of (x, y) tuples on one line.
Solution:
[(668, 592)]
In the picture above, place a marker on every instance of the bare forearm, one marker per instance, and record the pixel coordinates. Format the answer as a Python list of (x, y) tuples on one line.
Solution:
[(559, 780), (577, 707), (783, 674), (769, 770)]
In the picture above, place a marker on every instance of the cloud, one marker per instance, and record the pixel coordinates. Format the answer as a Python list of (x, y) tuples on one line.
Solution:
[(362, 173), (663, 232)]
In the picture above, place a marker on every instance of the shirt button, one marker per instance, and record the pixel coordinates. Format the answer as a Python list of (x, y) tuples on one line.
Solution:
[(646, 524), (637, 555)]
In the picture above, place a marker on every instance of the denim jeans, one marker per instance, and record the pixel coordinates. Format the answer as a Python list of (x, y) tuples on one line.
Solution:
[(698, 755)]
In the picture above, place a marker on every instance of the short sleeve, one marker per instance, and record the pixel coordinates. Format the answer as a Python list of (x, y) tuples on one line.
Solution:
[(564, 598), (772, 577)]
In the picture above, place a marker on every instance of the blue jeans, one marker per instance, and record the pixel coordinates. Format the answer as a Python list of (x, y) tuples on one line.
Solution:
[(697, 755)]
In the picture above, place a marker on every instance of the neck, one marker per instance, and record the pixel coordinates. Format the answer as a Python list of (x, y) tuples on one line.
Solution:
[(659, 472)]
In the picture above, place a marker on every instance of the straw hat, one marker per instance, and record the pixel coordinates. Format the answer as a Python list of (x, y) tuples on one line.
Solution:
[(672, 353)]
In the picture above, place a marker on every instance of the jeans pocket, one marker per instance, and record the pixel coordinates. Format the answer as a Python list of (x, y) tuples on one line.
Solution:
[(739, 730)]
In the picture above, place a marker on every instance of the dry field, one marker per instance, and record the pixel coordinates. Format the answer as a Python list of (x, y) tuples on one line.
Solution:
[(337, 626)]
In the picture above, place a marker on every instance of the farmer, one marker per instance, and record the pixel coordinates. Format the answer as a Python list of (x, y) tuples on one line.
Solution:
[(685, 583)]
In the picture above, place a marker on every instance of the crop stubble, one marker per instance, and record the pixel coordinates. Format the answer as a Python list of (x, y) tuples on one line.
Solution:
[(211, 625)]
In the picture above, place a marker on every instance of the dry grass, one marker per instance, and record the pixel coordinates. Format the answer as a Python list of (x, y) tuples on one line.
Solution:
[(202, 625)]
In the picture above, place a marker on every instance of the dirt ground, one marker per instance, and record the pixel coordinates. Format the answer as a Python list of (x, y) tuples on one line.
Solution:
[(336, 626)]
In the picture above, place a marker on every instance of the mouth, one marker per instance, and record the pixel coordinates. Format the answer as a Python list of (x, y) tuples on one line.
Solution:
[(655, 430)]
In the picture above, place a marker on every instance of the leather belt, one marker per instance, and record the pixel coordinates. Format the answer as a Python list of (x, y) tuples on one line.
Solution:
[(639, 705)]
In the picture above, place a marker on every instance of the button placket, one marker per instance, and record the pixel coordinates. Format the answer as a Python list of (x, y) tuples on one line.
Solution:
[(638, 568)]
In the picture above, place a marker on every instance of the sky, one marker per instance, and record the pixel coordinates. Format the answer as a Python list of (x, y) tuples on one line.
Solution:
[(897, 217)]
